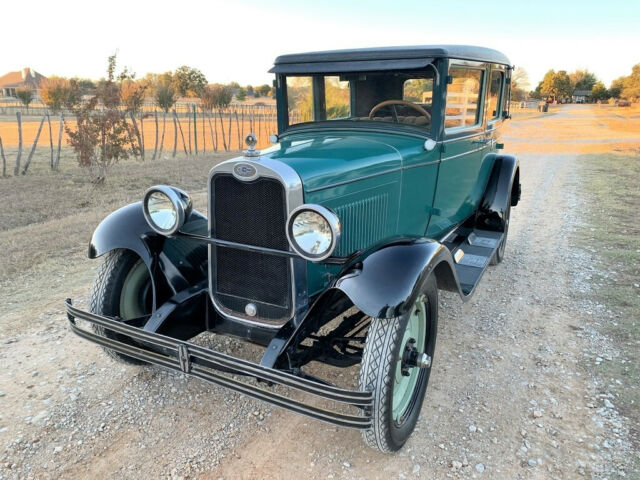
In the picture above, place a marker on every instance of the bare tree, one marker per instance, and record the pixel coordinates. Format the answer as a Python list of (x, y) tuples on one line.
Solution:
[(33, 149)]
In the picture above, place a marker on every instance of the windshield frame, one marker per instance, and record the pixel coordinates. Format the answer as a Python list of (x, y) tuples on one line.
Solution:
[(431, 71)]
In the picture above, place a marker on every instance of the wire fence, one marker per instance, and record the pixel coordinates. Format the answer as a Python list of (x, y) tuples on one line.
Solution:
[(183, 129)]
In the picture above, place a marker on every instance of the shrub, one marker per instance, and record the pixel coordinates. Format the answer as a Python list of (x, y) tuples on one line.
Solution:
[(102, 135)]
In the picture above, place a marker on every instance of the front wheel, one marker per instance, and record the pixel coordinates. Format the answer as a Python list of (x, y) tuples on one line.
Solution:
[(396, 364), (122, 288)]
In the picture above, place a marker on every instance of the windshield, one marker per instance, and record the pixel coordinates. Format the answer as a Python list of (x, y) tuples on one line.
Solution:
[(398, 98)]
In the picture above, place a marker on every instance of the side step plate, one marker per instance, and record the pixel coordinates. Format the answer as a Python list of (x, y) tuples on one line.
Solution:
[(472, 250)]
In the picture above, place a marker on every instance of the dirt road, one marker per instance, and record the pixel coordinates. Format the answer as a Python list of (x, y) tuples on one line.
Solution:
[(509, 396)]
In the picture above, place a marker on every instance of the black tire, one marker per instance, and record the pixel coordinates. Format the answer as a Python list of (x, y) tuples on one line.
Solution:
[(499, 255), (106, 293), (382, 351)]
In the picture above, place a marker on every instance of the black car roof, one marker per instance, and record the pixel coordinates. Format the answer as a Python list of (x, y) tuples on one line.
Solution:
[(386, 58)]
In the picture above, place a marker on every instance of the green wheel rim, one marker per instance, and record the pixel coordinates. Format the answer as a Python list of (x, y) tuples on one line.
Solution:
[(404, 386), (134, 292)]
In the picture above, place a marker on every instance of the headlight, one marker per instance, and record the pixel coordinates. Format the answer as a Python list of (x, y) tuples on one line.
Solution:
[(166, 208), (313, 231)]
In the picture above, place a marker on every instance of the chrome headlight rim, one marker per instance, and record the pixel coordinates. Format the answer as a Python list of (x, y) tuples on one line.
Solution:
[(180, 200), (332, 220)]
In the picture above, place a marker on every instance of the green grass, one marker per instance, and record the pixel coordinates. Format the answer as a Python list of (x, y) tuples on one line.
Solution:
[(612, 234)]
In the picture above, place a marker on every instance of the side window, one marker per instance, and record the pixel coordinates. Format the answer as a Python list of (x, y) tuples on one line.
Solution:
[(494, 94), (463, 97), (337, 98), (300, 99)]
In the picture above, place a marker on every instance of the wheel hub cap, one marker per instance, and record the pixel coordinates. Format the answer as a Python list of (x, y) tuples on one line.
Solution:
[(411, 361)]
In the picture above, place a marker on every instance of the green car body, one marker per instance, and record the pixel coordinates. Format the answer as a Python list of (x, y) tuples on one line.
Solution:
[(385, 183)]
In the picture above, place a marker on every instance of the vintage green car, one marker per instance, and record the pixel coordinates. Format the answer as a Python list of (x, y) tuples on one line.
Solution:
[(384, 184)]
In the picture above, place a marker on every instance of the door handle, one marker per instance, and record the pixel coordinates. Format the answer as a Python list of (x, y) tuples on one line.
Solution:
[(483, 141)]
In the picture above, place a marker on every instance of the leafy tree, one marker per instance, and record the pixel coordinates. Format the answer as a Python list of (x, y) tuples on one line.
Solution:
[(264, 90), (556, 84), (536, 94), (101, 137), (615, 90), (599, 92), (25, 95), (218, 97), (188, 81), (562, 84), (86, 86), (546, 85), (222, 96), (234, 85), (55, 92), (583, 79), (241, 94), (631, 84), (132, 94), (165, 97)]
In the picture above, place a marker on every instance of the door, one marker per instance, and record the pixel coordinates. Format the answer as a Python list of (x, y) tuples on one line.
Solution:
[(462, 173)]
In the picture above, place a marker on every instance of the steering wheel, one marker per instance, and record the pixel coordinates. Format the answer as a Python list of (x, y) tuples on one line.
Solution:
[(418, 108)]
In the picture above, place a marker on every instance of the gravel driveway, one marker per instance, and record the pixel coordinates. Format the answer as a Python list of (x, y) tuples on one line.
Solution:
[(509, 397)]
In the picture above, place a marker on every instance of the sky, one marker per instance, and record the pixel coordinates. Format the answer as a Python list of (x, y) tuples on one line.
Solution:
[(238, 40)]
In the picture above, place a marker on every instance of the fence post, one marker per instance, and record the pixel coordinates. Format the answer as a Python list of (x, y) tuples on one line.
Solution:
[(195, 129), (4, 160), (33, 149), (16, 169)]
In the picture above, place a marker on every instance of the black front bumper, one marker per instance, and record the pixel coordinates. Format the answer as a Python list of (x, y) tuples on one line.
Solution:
[(210, 365)]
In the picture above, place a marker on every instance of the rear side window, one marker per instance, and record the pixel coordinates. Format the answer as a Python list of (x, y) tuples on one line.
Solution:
[(494, 94), (463, 97), (300, 98)]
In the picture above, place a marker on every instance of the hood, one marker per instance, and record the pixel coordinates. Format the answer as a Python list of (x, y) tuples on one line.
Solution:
[(329, 158)]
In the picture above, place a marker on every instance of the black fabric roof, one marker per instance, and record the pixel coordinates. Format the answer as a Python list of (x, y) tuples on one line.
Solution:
[(382, 58)]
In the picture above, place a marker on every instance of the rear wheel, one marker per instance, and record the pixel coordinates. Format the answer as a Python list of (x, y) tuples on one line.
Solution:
[(122, 288), (396, 364)]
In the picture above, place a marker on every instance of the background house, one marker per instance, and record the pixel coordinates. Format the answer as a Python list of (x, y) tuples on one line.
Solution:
[(581, 96), (26, 77)]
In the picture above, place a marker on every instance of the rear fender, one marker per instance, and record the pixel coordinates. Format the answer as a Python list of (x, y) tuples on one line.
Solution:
[(503, 190), (175, 263)]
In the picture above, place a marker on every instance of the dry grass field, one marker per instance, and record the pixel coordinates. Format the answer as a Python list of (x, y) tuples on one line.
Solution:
[(535, 378)]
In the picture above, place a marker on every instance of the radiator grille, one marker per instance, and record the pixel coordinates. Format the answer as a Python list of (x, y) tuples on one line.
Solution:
[(252, 213)]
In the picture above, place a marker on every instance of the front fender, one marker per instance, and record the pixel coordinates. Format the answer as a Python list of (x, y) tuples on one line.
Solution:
[(174, 263), (385, 283)]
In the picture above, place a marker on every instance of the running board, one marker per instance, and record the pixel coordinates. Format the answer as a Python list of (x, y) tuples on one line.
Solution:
[(472, 250)]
